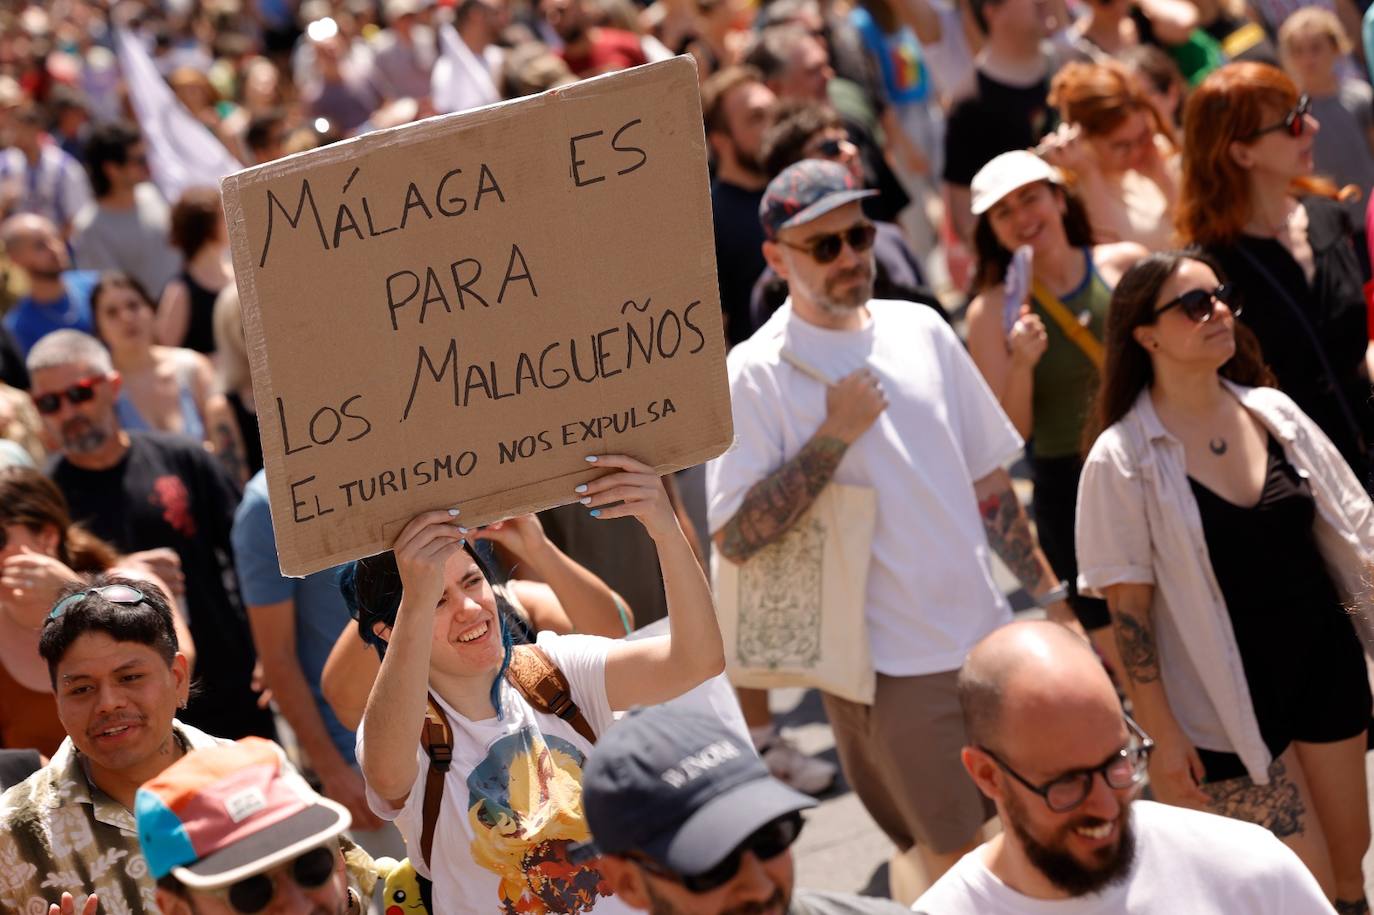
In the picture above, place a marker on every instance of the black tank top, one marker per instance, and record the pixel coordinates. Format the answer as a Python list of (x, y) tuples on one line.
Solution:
[(1265, 557), (200, 332)]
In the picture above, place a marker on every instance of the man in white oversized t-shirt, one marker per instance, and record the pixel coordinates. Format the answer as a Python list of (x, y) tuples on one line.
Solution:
[(904, 411), (1050, 745)]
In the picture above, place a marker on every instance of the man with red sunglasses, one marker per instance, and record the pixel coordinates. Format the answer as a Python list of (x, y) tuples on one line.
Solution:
[(151, 491), (688, 821)]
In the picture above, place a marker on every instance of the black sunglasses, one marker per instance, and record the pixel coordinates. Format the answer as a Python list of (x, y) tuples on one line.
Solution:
[(81, 392), (825, 149), (1294, 122), (1200, 304), (310, 871), (1124, 769), (767, 842), (825, 248)]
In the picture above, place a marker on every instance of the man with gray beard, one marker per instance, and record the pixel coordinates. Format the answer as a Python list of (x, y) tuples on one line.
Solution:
[(1051, 746), (145, 491), (880, 394)]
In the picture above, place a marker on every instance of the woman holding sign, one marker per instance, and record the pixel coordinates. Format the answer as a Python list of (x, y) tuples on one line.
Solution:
[(1035, 331), (492, 827)]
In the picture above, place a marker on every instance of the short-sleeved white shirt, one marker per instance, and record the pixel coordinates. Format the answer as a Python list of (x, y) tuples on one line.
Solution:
[(1186, 862), (931, 595), (513, 800)]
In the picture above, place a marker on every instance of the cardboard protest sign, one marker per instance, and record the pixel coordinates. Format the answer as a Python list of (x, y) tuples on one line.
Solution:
[(459, 311)]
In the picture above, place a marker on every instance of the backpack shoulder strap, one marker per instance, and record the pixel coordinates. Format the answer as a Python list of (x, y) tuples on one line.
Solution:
[(437, 738), (544, 687)]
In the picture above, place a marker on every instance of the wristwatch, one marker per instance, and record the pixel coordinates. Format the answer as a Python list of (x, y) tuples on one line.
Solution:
[(1054, 595)]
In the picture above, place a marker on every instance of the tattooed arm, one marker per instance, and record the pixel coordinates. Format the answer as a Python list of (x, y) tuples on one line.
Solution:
[(1009, 535), (1175, 767), (775, 503)]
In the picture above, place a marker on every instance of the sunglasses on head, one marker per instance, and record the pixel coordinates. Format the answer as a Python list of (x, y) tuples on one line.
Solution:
[(79, 393), (1200, 304), (310, 871), (115, 594), (825, 248), (766, 843), (1294, 123)]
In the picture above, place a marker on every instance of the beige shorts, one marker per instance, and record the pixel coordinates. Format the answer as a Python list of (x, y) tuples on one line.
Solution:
[(901, 756)]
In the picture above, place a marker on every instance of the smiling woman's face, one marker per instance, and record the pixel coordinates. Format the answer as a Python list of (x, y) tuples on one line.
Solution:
[(1030, 215), (467, 630)]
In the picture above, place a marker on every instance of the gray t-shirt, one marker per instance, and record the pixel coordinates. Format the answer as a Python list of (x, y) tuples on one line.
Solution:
[(816, 902), (1341, 151), (134, 241)]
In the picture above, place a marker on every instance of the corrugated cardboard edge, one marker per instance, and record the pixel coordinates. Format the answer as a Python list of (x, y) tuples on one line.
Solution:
[(546, 494)]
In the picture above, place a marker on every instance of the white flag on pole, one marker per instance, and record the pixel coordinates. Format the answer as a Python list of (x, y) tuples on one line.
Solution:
[(182, 152), (460, 80)]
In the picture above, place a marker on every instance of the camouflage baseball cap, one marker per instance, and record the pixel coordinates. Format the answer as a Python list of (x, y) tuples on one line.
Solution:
[(807, 190)]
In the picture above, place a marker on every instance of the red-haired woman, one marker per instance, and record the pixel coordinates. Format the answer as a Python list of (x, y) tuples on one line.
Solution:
[(1250, 201), (1122, 154)]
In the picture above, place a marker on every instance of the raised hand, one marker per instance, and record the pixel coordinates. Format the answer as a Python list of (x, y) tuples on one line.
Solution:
[(637, 488)]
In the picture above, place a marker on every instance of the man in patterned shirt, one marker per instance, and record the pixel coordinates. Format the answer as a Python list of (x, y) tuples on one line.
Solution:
[(67, 832)]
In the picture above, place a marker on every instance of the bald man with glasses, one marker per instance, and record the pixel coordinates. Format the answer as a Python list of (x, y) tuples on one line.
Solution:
[(1050, 746)]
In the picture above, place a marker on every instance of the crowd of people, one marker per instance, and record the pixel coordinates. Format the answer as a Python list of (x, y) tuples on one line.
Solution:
[(1116, 248)]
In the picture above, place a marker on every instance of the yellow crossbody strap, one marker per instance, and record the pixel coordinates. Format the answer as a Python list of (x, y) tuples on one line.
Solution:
[(1081, 336)]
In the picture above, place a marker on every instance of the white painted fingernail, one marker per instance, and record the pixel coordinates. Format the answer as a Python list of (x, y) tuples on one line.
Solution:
[(454, 513), (462, 530), (582, 488), (585, 500), (591, 459)]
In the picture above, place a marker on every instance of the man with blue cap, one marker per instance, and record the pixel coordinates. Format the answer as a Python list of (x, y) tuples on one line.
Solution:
[(689, 822), (838, 386)]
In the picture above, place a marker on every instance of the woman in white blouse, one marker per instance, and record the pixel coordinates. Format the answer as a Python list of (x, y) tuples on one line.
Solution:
[(1231, 542)]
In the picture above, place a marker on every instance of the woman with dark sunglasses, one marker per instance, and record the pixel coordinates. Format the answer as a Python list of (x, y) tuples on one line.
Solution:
[(1232, 544), (1250, 201), (1043, 378)]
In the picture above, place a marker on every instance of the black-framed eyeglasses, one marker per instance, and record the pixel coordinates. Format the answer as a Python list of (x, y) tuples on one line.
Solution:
[(825, 248), (766, 842), (1294, 122), (1200, 304), (310, 871), (81, 392), (1124, 769), (115, 594)]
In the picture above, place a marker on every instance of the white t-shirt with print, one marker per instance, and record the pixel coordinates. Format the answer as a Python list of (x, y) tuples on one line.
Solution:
[(1186, 862), (931, 595), (513, 800)]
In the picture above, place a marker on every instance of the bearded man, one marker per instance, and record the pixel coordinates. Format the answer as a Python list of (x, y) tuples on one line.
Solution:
[(877, 393), (1050, 745)]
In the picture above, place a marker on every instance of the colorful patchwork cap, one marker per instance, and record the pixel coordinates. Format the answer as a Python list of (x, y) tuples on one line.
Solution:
[(807, 190), (224, 813)]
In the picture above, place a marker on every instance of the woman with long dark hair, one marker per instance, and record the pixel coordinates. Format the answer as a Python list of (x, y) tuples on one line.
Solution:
[(1042, 369), (511, 804), (41, 553), (1229, 538), (1250, 201)]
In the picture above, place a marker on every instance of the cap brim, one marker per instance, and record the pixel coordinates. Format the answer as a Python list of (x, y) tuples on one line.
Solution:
[(825, 205), (718, 828), (267, 848)]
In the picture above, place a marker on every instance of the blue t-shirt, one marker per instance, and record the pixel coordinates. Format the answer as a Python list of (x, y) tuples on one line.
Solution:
[(30, 321), (898, 55), (320, 611)]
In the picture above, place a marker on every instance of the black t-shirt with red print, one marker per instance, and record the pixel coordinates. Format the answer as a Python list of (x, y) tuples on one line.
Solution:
[(168, 491)]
